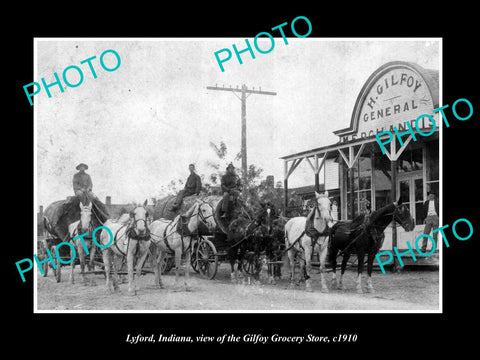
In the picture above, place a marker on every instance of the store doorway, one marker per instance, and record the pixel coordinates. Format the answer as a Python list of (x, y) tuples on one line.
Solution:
[(410, 190)]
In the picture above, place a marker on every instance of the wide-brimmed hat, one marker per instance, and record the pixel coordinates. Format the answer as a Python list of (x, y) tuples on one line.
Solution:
[(80, 165), (230, 166)]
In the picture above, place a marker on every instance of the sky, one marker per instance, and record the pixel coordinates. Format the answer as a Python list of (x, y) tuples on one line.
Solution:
[(139, 127)]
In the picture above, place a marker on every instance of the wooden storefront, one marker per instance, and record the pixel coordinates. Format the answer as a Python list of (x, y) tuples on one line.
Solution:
[(396, 93)]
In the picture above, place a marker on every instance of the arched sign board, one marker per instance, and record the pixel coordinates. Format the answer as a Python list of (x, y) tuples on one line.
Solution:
[(397, 93)]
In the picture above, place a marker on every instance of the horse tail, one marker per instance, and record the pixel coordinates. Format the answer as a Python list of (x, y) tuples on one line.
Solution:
[(285, 236), (331, 251)]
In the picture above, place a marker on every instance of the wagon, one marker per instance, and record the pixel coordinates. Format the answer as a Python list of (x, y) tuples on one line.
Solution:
[(56, 219), (51, 243), (208, 249), (203, 257)]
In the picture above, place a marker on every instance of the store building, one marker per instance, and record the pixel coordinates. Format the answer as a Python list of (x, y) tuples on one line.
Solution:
[(396, 93)]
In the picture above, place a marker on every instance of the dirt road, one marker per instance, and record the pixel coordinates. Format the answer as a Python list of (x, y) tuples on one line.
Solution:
[(406, 290)]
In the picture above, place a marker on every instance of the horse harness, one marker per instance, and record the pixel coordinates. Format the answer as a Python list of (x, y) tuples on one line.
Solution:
[(130, 233), (367, 229), (248, 229), (183, 230), (311, 232)]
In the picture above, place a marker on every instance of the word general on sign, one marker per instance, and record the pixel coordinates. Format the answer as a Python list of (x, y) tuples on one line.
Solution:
[(65, 262), (434, 245), (68, 75), (413, 124), (237, 52)]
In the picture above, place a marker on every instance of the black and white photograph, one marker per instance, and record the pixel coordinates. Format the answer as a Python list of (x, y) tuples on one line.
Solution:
[(262, 187), (187, 183)]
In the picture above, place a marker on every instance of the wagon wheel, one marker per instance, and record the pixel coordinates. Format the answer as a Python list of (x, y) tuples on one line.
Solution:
[(207, 260), (250, 263)]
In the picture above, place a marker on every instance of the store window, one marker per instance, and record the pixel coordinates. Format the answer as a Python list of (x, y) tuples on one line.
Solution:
[(410, 160), (362, 186), (382, 177), (433, 171)]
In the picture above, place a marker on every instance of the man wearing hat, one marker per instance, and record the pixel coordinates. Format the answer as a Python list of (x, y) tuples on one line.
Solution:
[(230, 186), (82, 183), (430, 214), (192, 186)]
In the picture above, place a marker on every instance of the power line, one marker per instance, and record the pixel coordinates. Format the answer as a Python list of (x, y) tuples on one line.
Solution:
[(245, 92)]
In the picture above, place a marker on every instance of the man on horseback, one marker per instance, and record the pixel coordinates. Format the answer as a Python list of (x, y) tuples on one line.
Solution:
[(231, 186), (192, 187)]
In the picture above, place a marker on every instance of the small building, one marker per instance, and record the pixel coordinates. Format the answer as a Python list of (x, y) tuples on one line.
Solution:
[(396, 93), (116, 210)]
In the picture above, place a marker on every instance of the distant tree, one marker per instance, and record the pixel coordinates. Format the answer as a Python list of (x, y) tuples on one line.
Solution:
[(254, 191)]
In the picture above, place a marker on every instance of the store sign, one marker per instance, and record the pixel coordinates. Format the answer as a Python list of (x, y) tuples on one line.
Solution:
[(394, 98)]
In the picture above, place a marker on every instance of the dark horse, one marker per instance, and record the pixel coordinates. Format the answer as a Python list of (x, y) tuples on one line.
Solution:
[(248, 236), (362, 236)]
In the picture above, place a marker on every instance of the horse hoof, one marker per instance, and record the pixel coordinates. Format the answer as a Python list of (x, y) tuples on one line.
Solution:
[(291, 286), (132, 292), (308, 289), (359, 290), (370, 290), (324, 290), (334, 284)]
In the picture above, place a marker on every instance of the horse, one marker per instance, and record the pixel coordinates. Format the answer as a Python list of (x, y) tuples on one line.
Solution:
[(270, 238), (85, 225), (365, 236), (176, 236), (131, 238), (245, 235), (275, 249), (305, 234), (249, 236)]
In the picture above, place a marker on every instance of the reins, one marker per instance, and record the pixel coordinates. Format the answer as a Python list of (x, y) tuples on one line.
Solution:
[(364, 231), (325, 232), (173, 224)]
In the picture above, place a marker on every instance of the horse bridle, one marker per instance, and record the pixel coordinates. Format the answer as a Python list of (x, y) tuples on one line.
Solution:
[(204, 218), (135, 221), (90, 225), (395, 212)]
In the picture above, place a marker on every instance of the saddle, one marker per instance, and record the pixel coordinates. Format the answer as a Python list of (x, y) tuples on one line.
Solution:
[(350, 226)]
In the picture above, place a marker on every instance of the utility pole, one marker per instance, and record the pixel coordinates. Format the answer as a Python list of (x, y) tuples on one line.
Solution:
[(243, 98)]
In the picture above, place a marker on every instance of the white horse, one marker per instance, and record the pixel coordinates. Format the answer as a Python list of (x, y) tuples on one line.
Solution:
[(131, 238), (176, 236), (80, 227), (296, 240)]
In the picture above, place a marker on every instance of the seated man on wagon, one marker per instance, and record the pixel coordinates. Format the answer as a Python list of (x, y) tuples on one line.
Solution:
[(82, 183), (193, 186), (82, 188), (231, 186)]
